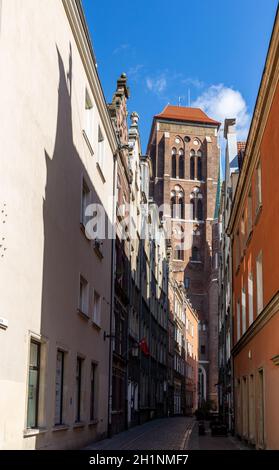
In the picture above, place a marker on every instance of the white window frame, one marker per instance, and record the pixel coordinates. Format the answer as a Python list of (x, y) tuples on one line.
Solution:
[(238, 320), (259, 185), (89, 117), (101, 147), (250, 298), (259, 268), (243, 309), (83, 295)]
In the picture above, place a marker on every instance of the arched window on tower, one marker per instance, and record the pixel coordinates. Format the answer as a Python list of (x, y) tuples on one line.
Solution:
[(197, 205), (199, 165), (173, 162), (177, 203), (200, 210), (181, 164), (181, 205), (173, 203), (192, 165), (192, 209)]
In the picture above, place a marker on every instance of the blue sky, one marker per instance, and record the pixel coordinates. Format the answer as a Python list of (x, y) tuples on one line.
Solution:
[(214, 48)]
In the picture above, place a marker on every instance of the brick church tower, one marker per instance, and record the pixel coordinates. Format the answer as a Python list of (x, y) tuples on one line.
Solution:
[(183, 147)]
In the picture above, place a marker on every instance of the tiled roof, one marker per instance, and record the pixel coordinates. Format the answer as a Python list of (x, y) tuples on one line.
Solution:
[(181, 113), (241, 146)]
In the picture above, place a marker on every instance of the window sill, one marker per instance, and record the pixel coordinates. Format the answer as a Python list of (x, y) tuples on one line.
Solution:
[(101, 172), (34, 432), (83, 314), (78, 425), (96, 326), (94, 422), (86, 138), (60, 427)]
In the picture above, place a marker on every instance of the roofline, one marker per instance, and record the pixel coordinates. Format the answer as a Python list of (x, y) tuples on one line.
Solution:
[(211, 123), (196, 123)]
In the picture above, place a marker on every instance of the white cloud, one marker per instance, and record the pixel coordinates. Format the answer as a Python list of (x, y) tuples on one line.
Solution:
[(121, 48), (221, 102), (134, 72), (157, 85), (195, 82)]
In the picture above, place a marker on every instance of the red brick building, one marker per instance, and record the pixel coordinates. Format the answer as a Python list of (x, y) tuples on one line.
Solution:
[(184, 150)]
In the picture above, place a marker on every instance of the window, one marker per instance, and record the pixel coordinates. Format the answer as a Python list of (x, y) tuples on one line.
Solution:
[(33, 384), (181, 164), (187, 282), (88, 117), (250, 298), (85, 200), (258, 187), (215, 261), (202, 349), (173, 207), (173, 166), (83, 295), (196, 204), (173, 163), (59, 381), (243, 308), (237, 250), (97, 309), (177, 203), (238, 319), (200, 210), (199, 166), (78, 388), (93, 391), (192, 209), (249, 214), (178, 253), (195, 254), (259, 267), (192, 165), (181, 207), (101, 143), (242, 234)]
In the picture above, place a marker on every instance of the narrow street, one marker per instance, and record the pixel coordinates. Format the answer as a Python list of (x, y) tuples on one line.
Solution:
[(167, 434)]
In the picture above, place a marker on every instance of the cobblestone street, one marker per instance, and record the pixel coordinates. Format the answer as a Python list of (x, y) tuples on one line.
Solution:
[(167, 434), (209, 442)]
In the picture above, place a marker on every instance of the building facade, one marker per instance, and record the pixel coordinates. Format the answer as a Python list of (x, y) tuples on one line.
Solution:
[(255, 251), (183, 147), (56, 310), (225, 388), (139, 327), (118, 336)]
